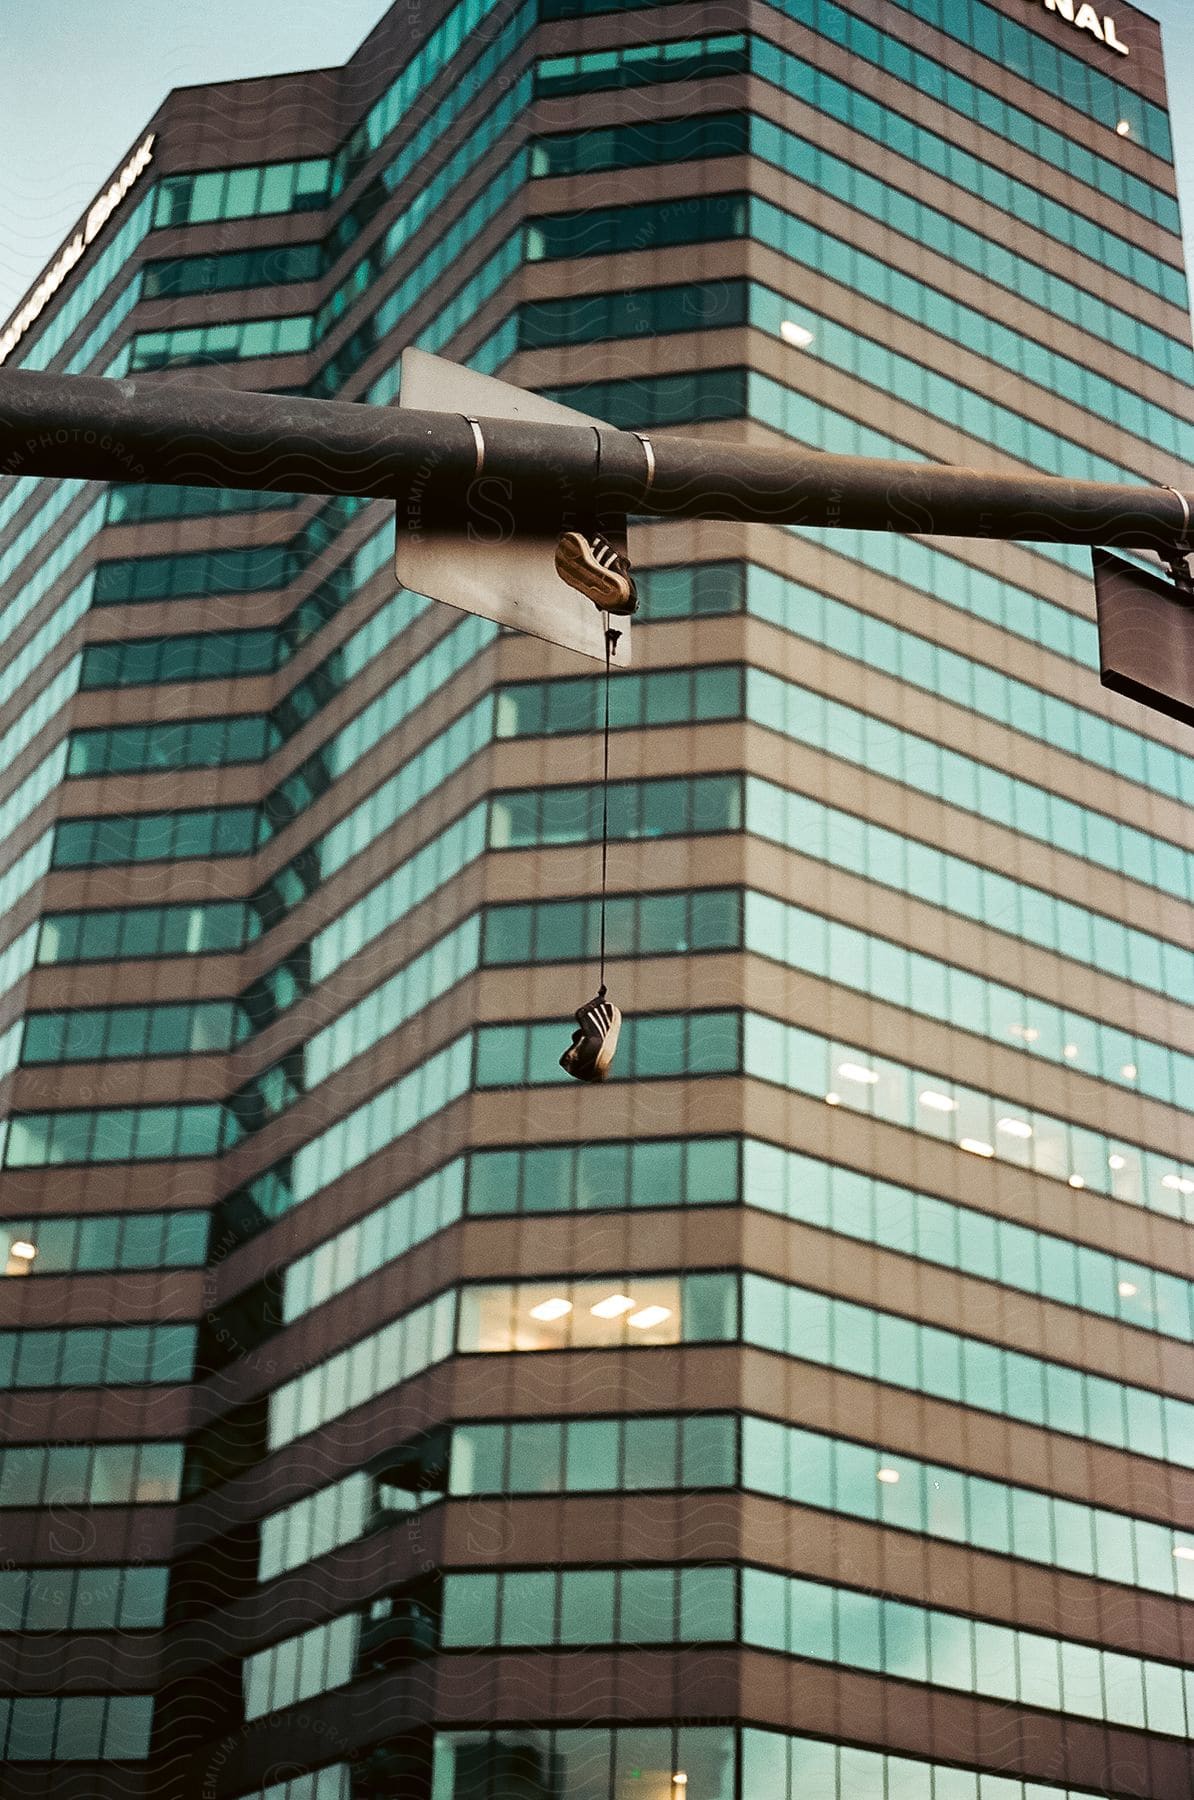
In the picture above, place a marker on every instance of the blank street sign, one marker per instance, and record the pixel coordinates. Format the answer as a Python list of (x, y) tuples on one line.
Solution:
[(485, 567), (1146, 636)]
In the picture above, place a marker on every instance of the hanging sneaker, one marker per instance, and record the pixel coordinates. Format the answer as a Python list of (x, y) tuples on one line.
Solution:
[(593, 567), (591, 1051)]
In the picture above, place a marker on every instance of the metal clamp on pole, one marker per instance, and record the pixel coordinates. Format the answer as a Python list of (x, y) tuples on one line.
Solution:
[(649, 453), (478, 440), (1176, 561)]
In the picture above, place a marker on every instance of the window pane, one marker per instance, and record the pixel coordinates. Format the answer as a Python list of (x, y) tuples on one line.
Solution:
[(643, 1762), (587, 1606), (97, 1601), (582, 1761), (712, 1171), (811, 1629), (31, 1729), (127, 1732), (591, 1455), (528, 1607), (80, 1728), (70, 1477), (48, 1607), (470, 1610), (478, 1453), (707, 1613), (647, 1606), (536, 1453), (707, 1452), (141, 1241), (143, 1601), (651, 1453)]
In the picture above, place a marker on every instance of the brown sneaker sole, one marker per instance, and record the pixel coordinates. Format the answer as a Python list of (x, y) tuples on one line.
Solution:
[(605, 1055), (608, 590), (599, 1068)]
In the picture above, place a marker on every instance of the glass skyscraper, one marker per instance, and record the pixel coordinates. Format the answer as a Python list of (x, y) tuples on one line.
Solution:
[(810, 1411)]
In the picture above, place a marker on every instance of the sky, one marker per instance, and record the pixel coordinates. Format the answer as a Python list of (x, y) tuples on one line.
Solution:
[(81, 77)]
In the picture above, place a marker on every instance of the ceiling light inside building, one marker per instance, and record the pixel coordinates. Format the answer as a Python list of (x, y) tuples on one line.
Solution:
[(1017, 1128), (1184, 1552), (937, 1102), (796, 335), (650, 1315), (833, 1099), (977, 1147), (551, 1309), (889, 1477), (24, 1249), (1077, 1181), (1129, 1071), (1123, 129), (856, 1072), (1128, 1290), (1115, 1162), (613, 1307), (1178, 1183)]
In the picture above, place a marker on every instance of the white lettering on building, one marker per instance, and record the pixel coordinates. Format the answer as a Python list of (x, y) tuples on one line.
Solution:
[(98, 215), (1085, 18)]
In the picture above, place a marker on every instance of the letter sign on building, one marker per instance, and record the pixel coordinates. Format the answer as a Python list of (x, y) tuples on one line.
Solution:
[(98, 214), (1085, 18)]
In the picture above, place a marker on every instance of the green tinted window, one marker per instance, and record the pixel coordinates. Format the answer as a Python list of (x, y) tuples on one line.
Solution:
[(692, 590), (795, 1322), (1038, 59), (645, 64), (620, 147), (201, 572), (555, 235), (655, 141), (847, 841), (77, 1728), (155, 837), (127, 505), (703, 803), (190, 744), (111, 1356), (96, 1033), (381, 1237), (142, 931), (665, 697), (808, 1619), (667, 1044), (1007, 43), (221, 343), (271, 266), (646, 925), (240, 193), (117, 1134), (211, 656)]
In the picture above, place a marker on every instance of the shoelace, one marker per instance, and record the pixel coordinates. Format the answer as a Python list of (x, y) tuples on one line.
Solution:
[(611, 638)]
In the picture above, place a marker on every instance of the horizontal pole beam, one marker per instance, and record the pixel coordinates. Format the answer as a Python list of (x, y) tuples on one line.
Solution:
[(136, 430)]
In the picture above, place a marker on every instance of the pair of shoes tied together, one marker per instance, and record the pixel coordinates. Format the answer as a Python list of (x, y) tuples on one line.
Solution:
[(591, 1051), (593, 567)]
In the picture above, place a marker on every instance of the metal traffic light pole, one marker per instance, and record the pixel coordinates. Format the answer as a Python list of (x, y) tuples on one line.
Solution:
[(523, 468), (135, 430)]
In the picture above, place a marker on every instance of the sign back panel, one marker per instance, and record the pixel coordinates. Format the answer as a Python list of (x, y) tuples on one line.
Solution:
[(1146, 637), (486, 566)]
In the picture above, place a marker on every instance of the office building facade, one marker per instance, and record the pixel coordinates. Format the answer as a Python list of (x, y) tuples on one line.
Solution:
[(807, 1412)]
